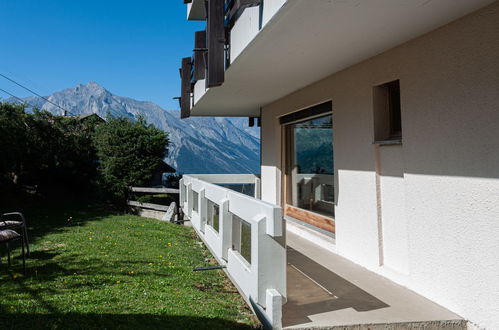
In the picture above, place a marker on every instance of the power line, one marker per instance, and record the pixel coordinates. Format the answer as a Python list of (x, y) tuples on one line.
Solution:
[(31, 91), (23, 101), (25, 79)]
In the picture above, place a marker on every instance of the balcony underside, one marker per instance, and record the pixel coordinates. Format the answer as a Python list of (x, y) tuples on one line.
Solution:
[(325, 290), (309, 40)]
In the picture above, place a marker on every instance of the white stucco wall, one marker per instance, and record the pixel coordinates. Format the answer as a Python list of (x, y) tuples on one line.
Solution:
[(393, 218), (440, 189)]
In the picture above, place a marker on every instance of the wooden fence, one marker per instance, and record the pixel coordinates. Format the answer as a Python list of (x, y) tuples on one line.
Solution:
[(157, 211)]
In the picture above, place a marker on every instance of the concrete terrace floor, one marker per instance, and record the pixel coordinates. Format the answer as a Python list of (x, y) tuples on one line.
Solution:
[(328, 291)]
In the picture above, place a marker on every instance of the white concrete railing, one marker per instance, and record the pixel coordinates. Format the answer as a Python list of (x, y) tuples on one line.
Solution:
[(244, 234), (232, 179)]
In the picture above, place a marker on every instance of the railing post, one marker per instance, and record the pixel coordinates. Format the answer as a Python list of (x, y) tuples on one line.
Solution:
[(274, 302), (202, 210), (225, 228), (258, 188), (189, 199), (182, 192)]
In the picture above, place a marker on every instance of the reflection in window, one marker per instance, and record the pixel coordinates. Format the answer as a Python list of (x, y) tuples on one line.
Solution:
[(311, 167)]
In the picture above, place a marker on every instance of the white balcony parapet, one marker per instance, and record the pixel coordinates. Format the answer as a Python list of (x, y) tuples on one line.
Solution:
[(233, 179), (196, 10), (245, 235)]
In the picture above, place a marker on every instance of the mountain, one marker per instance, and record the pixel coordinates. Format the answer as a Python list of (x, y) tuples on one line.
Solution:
[(197, 145), (243, 123)]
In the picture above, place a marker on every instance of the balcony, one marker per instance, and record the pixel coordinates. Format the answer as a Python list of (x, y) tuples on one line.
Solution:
[(282, 49), (230, 26), (289, 281), (244, 234)]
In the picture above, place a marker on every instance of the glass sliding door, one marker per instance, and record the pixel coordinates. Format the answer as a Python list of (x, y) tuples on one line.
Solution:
[(310, 170)]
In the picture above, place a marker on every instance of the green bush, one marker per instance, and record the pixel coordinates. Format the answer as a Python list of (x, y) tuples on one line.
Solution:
[(13, 140), (45, 153), (129, 152)]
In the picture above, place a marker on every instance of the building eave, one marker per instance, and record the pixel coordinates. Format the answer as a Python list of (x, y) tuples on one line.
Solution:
[(309, 40)]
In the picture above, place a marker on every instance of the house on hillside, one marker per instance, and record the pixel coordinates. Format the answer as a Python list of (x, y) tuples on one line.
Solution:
[(90, 116), (84, 117), (379, 159), (159, 178)]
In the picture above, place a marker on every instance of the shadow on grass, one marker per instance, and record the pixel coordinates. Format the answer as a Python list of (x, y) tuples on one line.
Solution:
[(52, 269), (113, 321), (52, 260), (54, 319), (44, 216), (43, 255)]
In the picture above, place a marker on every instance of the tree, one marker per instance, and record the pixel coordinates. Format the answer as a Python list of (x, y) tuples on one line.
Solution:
[(13, 140), (129, 152), (47, 154)]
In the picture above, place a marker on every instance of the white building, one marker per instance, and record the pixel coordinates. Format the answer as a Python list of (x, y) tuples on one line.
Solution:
[(380, 147)]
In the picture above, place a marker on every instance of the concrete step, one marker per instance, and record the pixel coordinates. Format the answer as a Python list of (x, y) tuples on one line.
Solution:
[(326, 291), (427, 325)]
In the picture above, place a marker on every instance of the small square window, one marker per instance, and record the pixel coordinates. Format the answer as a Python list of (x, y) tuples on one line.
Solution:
[(387, 112)]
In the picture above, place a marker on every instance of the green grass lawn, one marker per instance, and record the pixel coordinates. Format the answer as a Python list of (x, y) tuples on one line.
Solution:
[(93, 269)]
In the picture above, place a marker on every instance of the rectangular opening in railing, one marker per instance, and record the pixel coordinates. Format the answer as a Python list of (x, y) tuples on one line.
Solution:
[(195, 201), (241, 237), (213, 215)]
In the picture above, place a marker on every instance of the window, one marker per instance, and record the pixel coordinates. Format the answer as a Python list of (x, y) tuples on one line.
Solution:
[(310, 172), (387, 112)]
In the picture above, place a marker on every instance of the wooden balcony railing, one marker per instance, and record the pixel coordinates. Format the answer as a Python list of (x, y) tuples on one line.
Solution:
[(211, 48)]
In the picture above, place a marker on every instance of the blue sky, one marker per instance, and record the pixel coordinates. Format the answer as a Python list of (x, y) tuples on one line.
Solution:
[(132, 48)]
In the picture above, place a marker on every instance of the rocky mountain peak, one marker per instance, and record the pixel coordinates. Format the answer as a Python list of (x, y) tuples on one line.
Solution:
[(197, 145)]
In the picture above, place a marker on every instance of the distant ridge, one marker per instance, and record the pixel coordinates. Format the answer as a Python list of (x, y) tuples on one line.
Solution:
[(198, 145)]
